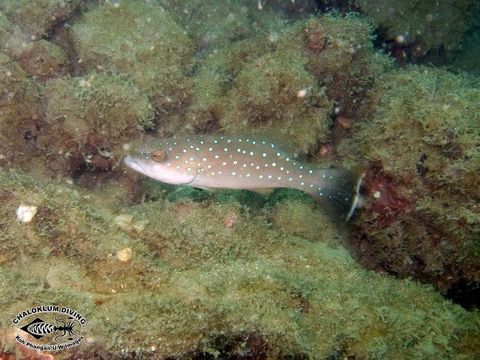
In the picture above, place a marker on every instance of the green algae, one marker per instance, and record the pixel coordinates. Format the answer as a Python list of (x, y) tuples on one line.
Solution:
[(428, 25), (234, 274), (424, 135), (38, 18), (93, 117), (147, 45), (200, 284)]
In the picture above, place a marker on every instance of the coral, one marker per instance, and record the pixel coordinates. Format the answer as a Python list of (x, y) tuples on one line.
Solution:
[(147, 45), (208, 289), (422, 219), (92, 117)]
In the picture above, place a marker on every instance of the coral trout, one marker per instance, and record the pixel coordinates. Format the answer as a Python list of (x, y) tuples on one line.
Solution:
[(242, 162)]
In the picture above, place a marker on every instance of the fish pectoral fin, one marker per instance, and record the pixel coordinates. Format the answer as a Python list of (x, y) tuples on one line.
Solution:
[(189, 182), (263, 191)]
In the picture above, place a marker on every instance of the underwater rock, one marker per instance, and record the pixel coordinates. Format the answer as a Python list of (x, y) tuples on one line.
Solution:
[(139, 40), (198, 287), (265, 97), (43, 60), (88, 119), (422, 218), (421, 25), (38, 18), (291, 82), (20, 113)]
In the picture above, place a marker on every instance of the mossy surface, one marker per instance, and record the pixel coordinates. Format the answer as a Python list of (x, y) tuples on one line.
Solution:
[(163, 271), (427, 25), (38, 18), (20, 109), (93, 116), (43, 60), (423, 144), (209, 287), (147, 45)]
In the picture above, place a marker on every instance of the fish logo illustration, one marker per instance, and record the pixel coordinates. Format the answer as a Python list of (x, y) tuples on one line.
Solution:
[(49, 328), (39, 328)]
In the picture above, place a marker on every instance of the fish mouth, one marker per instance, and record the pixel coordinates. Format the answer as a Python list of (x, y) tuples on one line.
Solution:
[(133, 163)]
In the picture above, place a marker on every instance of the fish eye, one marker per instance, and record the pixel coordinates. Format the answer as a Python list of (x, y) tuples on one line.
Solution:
[(159, 155)]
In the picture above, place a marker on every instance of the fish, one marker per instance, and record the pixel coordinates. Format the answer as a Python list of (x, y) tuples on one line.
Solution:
[(243, 162)]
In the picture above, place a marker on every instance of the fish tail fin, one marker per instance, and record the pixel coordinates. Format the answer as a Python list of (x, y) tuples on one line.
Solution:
[(339, 190)]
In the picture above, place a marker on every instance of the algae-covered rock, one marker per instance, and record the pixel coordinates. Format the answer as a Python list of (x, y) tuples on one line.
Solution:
[(207, 287), (38, 18), (88, 118), (425, 25), (276, 92), (292, 82), (43, 60), (423, 142), (5, 29), (141, 40), (20, 110)]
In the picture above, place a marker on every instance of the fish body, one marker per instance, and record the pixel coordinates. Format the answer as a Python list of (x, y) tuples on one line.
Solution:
[(242, 162)]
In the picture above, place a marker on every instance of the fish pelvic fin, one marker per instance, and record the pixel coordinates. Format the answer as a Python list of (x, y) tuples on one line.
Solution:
[(339, 190)]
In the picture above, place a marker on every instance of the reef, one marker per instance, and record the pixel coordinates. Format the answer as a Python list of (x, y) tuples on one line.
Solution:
[(147, 45), (173, 272), (422, 145), (163, 286), (422, 25)]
